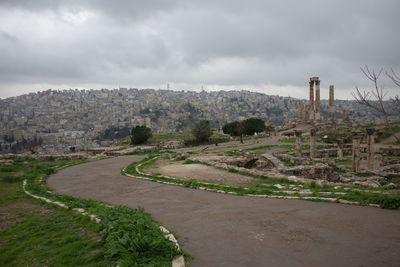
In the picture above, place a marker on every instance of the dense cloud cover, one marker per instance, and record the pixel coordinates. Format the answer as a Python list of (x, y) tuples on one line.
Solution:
[(267, 46)]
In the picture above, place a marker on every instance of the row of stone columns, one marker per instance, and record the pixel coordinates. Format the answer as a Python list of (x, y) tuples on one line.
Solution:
[(356, 155), (313, 112), (312, 142)]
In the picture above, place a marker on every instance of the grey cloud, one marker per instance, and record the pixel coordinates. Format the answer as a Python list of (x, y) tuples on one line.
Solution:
[(224, 43)]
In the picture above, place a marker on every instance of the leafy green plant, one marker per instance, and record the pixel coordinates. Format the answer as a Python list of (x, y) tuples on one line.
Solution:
[(140, 134)]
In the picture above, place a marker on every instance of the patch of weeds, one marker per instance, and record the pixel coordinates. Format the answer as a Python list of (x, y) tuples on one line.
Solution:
[(188, 161), (235, 153), (313, 184), (287, 162), (232, 170), (191, 183), (292, 140), (364, 198), (132, 238), (268, 147), (137, 153)]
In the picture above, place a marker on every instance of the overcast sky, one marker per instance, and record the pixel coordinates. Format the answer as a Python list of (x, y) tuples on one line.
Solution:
[(272, 47)]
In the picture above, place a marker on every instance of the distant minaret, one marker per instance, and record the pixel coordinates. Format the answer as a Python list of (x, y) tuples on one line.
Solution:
[(167, 86)]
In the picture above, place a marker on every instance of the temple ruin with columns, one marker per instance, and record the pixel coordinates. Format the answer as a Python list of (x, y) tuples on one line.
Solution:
[(311, 114)]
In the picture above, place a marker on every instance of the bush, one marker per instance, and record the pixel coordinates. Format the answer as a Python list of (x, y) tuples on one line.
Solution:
[(231, 128), (140, 134), (253, 125), (248, 127), (202, 131)]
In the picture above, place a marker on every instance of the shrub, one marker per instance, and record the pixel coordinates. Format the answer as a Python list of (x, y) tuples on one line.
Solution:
[(231, 128), (140, 134), (202, 131), (253, 125), (248, 127)]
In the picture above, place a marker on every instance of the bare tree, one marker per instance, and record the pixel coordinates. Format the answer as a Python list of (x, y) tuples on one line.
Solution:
[(375, 98), (396, 80)]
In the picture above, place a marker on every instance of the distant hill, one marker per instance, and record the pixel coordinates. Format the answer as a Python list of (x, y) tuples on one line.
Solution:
[(73, 115)]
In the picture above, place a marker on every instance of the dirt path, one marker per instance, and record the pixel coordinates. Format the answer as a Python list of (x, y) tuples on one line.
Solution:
[(199, 172), (224, 230)]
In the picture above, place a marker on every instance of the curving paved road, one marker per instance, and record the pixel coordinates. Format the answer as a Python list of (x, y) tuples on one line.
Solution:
[(224, 230)]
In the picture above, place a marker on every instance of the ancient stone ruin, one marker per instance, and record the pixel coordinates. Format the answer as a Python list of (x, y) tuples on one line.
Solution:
[(311, 114), (322, 161)]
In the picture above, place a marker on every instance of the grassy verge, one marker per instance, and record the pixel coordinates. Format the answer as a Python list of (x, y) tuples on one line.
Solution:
[(292, 140), (125, 237), (33, 233), (278, 187), (172, 136)]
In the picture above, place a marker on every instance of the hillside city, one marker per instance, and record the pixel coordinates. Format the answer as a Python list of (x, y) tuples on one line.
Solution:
[(61, 119)]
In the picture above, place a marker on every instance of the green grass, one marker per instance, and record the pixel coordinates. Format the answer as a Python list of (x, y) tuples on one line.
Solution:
[(188, 137), (292, 140), (172, 136), (287, 163), (236, 153), (33, 233), (269, 147), (188, 161), (127, 237)]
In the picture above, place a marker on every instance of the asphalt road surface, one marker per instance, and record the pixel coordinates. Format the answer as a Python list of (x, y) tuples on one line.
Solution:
[(225, 230)]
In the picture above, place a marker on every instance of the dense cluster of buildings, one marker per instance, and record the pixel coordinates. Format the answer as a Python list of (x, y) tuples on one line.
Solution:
[(73, 119)]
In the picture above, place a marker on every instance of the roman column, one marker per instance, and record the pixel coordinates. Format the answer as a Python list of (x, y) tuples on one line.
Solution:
[(311, 101), (305, 113), (370, 148), (317, 101), (331, 104), (300, 111), (356, 152), (298, 142), (339, 148), (346, 118), (312, 143)]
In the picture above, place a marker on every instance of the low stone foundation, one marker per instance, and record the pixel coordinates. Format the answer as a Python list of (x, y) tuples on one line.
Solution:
[(317, 171)]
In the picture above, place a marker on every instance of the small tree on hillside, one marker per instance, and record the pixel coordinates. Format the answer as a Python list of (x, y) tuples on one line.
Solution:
[(140, 134), (240, 130), (253, 125), (202, 131), (231, 128)]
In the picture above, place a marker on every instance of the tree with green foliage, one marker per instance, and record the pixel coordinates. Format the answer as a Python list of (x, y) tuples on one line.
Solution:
[(140, 134), (248, 127), (253, 125), (202, 131), (231, 128)]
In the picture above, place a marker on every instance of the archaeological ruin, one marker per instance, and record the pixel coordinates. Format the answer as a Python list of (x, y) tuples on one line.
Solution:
[(321, 144)]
